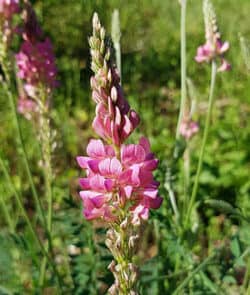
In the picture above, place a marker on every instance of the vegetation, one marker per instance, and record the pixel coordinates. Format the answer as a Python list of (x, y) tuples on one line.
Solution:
[(207, 254)]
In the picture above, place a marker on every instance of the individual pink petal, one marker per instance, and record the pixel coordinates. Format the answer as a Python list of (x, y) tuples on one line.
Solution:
[(110, 167), (127, 127), (156, 203), (96, 149), (109, 150), (132, 154), (84, 183), (83, 162), (128, 189), (125, 177), (144, 142), (225, 66), (151, 193), (151, 164), (97, 183), (134, 118)]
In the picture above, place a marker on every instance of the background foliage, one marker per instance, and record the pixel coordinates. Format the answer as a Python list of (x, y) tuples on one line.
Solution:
[(151, 79)]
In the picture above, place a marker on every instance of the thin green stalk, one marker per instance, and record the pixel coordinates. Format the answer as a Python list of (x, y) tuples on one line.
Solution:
[(46, 149), (192, 274), (246, 281), (183, 66), (25, 216), (204, 141), (7, 216), (172, 201), (24, 153), (186, 172)]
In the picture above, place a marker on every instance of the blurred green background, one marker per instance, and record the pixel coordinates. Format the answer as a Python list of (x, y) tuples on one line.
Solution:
[(150, 45)]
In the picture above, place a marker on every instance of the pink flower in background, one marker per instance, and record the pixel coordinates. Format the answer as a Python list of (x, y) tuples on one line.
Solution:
[(208, 52), (188, 129), (214, 47), (26, 107), (8, 8), (36, 64), (35, 60)]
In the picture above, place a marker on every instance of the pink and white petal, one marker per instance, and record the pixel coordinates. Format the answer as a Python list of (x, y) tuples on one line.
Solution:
[(144, 142), (93, 165), (126, 177), (128, 189), (98, 201), (109, 150), (83, 162), (97, 183), (84, 183), (224, 47), (110, 167), (150, 193), (109, 184), (132, 154), (96, 149)]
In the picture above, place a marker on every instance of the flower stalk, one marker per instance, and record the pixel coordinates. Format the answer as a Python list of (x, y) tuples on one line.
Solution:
[(183, 4), (119, 188), (204, 141)]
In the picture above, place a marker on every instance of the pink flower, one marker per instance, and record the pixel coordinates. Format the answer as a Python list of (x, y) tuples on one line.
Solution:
[(214, 47), (36, 64), (188, 129), (26, 107), (208, 52), (8, 8), (115, 181), (119, 177)]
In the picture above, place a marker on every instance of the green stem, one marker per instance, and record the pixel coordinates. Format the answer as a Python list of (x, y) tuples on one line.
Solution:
[(192, 274), (172, 201), (25, 216), (183, 66), (186, 172), (46, 149), (204, 141), (24, 153), (7, 215)]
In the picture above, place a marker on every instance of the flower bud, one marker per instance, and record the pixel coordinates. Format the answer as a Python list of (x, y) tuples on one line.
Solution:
[(114, 94), (102, 33), (124, 224)]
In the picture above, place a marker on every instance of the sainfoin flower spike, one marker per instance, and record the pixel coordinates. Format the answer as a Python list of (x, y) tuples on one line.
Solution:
[(214, 48), (35, 60), (119, 187)]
